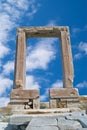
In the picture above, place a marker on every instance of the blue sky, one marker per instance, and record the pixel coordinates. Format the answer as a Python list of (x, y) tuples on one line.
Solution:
[(43, 57)]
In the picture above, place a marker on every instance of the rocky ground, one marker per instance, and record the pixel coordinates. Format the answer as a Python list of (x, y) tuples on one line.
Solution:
[(76, 120)]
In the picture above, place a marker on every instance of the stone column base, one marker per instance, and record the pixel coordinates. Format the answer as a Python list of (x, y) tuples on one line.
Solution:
[(25, 99), (62, 97)]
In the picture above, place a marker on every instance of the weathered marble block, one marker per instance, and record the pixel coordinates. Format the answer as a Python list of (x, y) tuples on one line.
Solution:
[(63, 93), (22, 97), (61, 97)]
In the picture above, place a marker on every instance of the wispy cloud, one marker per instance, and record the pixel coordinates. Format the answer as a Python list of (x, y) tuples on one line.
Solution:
[(83, 47), (22, 4), (5, 84), (6, 25), (4, 101), (77, 30), (82, 50), (57, 84), (3, 50), (41, 55), (31, 83), (43, 97), (82, 85), (78, 56), (8, 68), (52, 23), (11, 12)]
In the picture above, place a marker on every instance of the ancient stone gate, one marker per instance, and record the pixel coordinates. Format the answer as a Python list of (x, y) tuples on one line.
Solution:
[(19, 94)]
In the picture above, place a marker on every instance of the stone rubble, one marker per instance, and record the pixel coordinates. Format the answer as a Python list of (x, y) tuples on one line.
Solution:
[(59, 121)]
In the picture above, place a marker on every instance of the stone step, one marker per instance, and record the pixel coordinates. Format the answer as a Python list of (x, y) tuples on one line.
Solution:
[(63, 121), (44, 123), (50, 123), (45, 111)]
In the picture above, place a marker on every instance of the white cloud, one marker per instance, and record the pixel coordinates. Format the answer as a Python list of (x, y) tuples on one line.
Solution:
[(21, 4), (83, 47), (76, 30), (0, 63), (41, 55), (6, 24), (8, 67), (52, 23), (82, 50), (3, 50), (4, 101), (44, 96), (82, 85), (34, 10), (31, 83), (11, 12), (78, 56), (57, 84), (5, 84)]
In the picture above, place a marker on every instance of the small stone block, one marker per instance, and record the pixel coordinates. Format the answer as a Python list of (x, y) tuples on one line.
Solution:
[(19, 119), (36, 104), (53, 103), (67, 124), (82, 119)]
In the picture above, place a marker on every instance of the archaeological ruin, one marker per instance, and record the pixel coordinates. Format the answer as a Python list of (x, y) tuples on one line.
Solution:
[(66, 109), (59, 97)]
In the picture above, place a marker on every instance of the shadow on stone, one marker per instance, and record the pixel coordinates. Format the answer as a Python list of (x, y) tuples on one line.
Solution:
[(16, 127), (9, 127)]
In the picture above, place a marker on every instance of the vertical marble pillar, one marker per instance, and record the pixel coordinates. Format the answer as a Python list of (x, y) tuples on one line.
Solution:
[(68, 71), (20, 61)]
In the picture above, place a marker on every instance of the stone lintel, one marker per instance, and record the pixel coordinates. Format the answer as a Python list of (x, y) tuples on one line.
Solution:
[(24, 94), (63, 93), (43, 31)]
